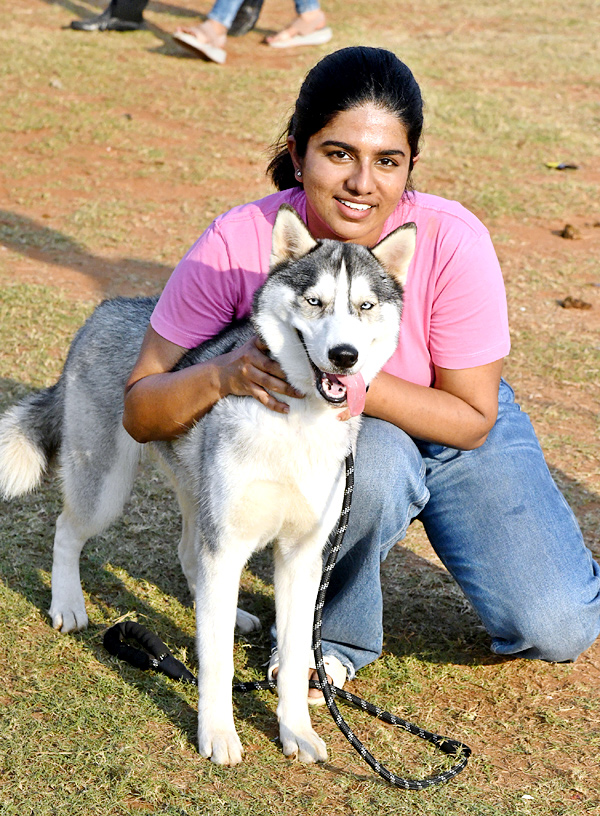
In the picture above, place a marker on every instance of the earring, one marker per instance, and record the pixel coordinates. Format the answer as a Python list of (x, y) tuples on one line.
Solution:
[(299, 173)]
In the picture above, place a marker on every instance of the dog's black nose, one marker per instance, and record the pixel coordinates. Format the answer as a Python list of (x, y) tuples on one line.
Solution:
[(343, 356)]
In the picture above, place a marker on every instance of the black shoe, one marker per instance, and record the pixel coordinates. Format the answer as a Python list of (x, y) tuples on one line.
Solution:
[(107, 22)]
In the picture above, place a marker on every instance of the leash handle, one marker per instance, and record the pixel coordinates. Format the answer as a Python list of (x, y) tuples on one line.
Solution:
[(154, 654)]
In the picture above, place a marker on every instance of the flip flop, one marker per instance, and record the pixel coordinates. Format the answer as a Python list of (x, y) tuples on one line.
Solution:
[(318, 37), (334, 669), (203, 49)]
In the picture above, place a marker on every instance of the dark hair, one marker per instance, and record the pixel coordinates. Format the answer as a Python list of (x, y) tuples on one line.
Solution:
[(341, 81)]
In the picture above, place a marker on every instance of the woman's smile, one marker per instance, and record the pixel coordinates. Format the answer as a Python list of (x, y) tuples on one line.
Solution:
[(357, 206)]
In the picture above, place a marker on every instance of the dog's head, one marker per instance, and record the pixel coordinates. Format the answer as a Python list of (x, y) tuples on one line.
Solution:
[(329, 311)]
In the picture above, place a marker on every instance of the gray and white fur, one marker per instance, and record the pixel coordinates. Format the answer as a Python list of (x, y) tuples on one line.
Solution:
[(244, 476)]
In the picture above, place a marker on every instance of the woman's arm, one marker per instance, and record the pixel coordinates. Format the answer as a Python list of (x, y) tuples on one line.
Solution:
[(163, 404), (459, 411)]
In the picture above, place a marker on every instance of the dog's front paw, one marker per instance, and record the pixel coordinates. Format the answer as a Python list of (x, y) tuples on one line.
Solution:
[(68, 613), (223, 747), (302, 743), (246, 623)]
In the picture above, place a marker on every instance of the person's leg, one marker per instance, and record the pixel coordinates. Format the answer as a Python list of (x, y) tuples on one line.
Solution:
[(389, 491), (208, 39), (304, 6), (246, 18), (503, 529), (224, 12), (119, 15), (308, 28)]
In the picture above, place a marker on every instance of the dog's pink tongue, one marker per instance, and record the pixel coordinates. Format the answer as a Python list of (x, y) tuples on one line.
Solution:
[(355, 392)]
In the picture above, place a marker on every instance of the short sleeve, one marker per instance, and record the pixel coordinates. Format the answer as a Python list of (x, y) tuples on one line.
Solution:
[(216, 281), (469, 321), (202, 295)]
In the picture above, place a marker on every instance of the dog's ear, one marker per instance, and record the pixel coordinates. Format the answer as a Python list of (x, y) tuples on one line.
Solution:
[(395, 252), (291, 238)]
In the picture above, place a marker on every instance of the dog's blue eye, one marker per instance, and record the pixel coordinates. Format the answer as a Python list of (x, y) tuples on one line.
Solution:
[(313, 301), (366, 305)]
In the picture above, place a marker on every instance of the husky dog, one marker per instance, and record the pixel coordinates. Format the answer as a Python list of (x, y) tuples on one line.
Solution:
[(244, 475)]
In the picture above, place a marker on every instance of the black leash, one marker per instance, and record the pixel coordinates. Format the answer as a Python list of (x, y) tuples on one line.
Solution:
[(158, 657)]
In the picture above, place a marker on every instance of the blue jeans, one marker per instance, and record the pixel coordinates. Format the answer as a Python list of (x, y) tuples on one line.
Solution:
[(224, 11), (495, 518)]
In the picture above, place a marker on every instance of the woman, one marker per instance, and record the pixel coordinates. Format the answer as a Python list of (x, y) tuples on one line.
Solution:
[(442, 437)]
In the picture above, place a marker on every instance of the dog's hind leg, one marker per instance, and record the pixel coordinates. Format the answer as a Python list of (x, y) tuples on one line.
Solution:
[(96, 485), (67, 609), (186, 549), (297, 574), (245, 622)]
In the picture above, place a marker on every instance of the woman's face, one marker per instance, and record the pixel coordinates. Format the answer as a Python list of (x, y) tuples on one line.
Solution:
[(354, 173)]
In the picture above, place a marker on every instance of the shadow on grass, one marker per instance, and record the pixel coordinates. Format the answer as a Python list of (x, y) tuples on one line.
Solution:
[(93, 7), (82, 11), (43, 244), (427, 616)]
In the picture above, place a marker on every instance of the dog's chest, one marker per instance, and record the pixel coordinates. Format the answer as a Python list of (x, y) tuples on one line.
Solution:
[(276, 476)]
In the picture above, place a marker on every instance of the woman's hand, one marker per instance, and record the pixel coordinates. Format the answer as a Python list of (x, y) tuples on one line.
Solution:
[(249, 371), (163, 404)]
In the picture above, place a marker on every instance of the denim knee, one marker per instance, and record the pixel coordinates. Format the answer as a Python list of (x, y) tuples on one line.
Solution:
[(554, 636), (501, 526)]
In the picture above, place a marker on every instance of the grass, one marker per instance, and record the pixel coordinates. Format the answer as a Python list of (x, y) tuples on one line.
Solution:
[(119, 153), (92, 736)]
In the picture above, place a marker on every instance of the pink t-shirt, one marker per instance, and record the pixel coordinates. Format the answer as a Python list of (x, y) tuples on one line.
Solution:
[(455, 305)]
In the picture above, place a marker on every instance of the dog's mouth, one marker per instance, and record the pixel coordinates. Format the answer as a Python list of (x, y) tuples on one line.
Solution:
[(338, 389), (331, 387)]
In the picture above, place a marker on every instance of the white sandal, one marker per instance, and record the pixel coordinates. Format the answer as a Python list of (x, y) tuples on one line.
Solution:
[(210, 48), (302, 32), (334, 668), (318, 37)]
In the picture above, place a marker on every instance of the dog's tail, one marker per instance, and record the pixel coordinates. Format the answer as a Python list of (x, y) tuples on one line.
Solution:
[(30, 435)]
